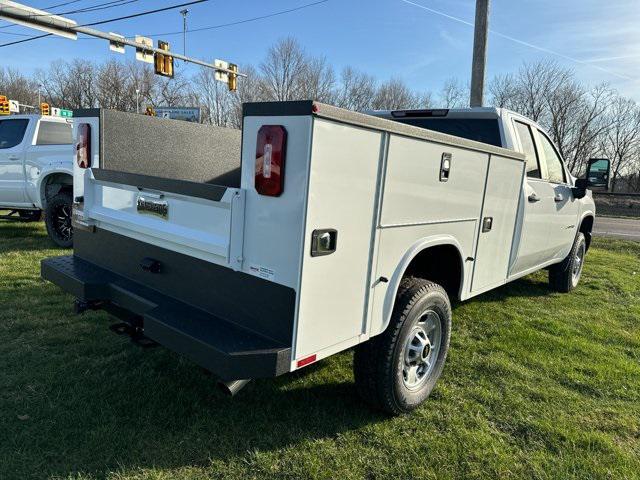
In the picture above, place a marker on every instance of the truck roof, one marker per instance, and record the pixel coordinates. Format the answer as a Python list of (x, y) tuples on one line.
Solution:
[(35, 116)]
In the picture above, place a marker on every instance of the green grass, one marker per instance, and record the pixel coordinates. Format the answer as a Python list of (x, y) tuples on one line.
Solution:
[(537, 385)]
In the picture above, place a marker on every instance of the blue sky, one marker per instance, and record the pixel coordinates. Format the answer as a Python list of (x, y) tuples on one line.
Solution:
[(423, 42)]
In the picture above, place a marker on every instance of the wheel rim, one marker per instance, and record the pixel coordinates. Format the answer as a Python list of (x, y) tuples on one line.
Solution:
[(421, 350), (62, 222), (578, 262)]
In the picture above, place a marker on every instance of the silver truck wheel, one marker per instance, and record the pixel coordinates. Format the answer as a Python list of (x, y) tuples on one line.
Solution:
[(397, 370), (565, 276), (421, 350)]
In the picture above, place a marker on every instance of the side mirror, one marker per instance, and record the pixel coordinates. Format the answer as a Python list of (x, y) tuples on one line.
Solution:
[(598, 173), (597, 176)]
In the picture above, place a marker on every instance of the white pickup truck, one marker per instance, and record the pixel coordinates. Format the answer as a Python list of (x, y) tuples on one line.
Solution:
[(36, 172), (330, 230)]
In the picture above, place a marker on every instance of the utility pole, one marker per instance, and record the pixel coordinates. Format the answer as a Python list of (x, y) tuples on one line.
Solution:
[(184, 30), (479, 53)]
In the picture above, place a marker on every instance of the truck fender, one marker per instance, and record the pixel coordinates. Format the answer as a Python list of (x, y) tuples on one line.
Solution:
[(413, 251), (43, 179)]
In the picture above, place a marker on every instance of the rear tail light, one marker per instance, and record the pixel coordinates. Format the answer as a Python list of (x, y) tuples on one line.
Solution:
[(270, 159), (83, 147)]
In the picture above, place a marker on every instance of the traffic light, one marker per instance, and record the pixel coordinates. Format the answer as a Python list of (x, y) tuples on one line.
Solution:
[(4, 105), (163, 63), (150, 112), (44, 109), (233, 77)]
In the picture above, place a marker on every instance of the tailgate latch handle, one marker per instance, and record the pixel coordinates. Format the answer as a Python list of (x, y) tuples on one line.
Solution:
[(324, 242), (151, 265)]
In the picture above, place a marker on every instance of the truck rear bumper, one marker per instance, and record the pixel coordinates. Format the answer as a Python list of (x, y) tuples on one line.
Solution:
[(221, 346)]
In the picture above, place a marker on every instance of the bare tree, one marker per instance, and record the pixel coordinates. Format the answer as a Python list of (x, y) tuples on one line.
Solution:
[(453, 94), (621, 142), (250, 89), (282, 69), (214, 98), (355, 90), (503, 90), (393, 94), (317, 81), (16, 86)]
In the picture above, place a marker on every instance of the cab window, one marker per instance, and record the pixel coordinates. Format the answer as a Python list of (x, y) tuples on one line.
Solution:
[(529, 149), (12, 132), (54, 133), (555, 172)]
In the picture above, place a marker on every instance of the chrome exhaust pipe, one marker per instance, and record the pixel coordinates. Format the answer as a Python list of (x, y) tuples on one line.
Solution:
[(232, 387)]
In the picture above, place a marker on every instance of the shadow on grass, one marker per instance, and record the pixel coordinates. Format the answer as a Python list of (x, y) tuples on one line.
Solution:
[(97, 403), (23, 237), (525, 287)]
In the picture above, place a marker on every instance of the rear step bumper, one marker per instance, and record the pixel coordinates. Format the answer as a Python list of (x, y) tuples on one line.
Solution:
[(226, 349)]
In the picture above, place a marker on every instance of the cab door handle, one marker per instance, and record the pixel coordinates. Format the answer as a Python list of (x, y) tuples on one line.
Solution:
[(534, 198), (14, 157), (558, 197)]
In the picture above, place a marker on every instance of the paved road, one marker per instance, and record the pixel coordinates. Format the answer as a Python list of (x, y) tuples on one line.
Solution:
[(623, 228)]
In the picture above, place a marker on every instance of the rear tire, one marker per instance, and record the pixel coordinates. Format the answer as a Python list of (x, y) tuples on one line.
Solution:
[(57, 217), (564, 276), (397, 370)]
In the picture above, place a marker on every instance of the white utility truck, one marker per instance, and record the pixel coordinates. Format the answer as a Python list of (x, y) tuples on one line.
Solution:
[(36, 172), (331, 230)]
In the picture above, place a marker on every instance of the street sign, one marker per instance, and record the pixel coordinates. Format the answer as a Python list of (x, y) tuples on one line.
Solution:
[(55, 111), (66, 113), (141, 54), (188, 114), (14, 106), (222, 76), (114, 45)]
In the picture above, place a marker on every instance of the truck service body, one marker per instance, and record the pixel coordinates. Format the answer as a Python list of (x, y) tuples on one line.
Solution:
[(318, 230), (36, 167)]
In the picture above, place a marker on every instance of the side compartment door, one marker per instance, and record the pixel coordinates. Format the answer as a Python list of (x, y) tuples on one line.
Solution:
[(531, 239), (563, 217), (12, 180), (497, 222), (341, 199)]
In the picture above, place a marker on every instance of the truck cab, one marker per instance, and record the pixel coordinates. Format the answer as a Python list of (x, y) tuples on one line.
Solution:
[(36, 172)]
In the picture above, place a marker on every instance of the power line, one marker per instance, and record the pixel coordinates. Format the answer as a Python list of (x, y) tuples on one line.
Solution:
[(101, 22), (238, 22), (515, 40)]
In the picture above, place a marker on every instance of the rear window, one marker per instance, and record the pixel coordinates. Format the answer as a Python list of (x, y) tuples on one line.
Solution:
[(485, 130), (12, 132), (54, 133)]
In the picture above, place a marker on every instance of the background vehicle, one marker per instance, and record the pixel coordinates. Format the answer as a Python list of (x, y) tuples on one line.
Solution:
[(331, 230), (36, 172)]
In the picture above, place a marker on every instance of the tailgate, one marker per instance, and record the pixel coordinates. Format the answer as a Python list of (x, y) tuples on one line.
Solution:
[(197, 219)]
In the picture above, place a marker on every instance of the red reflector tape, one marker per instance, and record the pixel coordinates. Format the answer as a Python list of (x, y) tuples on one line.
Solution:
[(306, 361)]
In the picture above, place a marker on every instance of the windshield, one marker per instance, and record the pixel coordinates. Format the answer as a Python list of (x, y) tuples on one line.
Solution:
[(485, 130)]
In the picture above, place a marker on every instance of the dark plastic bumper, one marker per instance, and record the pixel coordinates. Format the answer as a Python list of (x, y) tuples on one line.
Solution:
[(226, 349)]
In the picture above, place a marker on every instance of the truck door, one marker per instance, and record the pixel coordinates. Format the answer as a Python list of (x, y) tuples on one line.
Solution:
[(12, 180), (564, 217), (531, 247)]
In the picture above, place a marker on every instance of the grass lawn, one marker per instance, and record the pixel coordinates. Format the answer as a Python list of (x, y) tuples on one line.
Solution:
[(537, 385)]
